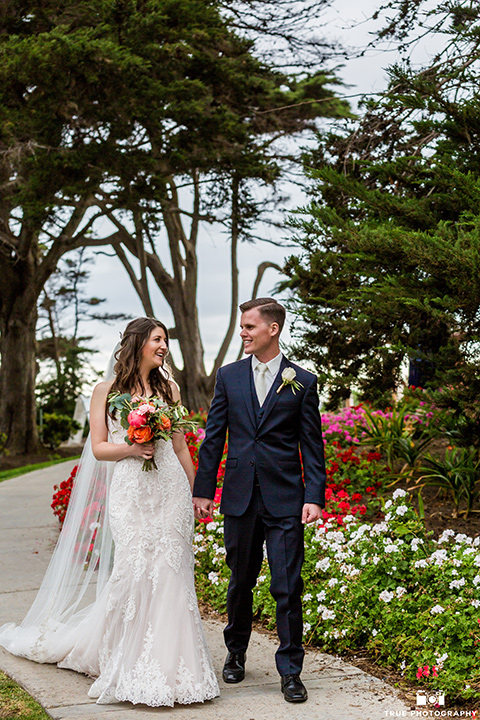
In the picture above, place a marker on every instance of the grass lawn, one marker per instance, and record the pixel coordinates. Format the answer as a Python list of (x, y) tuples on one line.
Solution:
[(13, 472), (16, 703)]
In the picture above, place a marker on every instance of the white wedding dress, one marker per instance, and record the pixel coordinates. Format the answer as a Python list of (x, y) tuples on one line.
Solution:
[(142, 639)]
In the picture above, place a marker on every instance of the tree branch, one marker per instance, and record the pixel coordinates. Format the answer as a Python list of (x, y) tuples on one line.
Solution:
[(234, 275)]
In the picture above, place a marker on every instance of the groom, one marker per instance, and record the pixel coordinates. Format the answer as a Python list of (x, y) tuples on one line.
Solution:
[(269, 406)]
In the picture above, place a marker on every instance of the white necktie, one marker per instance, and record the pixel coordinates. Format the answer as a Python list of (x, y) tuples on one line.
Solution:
[(261, 382)]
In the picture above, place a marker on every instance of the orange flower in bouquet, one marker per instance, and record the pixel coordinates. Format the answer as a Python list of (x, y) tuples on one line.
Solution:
[(140, 434), (166, 422)]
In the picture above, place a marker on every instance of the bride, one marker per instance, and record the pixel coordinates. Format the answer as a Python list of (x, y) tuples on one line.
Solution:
[(141, 637)]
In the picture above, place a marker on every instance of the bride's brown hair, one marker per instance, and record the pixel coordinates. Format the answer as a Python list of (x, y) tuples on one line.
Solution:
[(128, 358)]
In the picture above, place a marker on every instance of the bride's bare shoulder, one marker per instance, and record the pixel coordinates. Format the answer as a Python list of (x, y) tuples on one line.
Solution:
[(101, 390), (175, 390)]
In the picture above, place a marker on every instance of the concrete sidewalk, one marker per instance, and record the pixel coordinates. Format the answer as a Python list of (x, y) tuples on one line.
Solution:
[(337, 690)]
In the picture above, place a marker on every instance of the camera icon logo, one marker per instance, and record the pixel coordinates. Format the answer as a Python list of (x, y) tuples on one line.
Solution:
[(434, 698)]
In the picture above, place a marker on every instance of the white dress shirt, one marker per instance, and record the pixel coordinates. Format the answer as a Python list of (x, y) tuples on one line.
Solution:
[(273, 366)]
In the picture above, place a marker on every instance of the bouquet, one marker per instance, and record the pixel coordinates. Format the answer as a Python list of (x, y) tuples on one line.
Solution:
[(149, 419)]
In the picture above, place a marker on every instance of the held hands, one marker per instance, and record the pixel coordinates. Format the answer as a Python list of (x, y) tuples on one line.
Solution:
[(310, 513), (202, 507), (143, 450)]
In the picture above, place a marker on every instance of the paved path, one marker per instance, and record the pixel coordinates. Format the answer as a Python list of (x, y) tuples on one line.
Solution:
[(28, 532)]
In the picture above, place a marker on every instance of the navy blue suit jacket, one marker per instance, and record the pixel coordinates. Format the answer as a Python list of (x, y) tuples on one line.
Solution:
[(267, 444)]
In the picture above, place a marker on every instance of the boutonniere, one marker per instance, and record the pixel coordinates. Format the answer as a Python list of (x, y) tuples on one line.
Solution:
[(288, 378)]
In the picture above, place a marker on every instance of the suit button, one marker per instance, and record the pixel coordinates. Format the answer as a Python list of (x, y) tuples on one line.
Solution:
[(251, 462), (257, 439)]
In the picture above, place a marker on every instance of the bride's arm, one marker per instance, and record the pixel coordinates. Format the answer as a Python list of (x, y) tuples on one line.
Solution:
[(180, 445), (101, 448)]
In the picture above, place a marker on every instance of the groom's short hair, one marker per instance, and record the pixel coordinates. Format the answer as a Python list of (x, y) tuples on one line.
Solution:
[(269, 309)]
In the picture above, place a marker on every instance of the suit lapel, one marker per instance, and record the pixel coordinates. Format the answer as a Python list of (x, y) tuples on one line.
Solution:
[(272, 397), (245, 370)]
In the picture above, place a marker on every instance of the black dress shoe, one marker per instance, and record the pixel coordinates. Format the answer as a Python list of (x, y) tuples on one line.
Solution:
[(234, 668), (293, 689)]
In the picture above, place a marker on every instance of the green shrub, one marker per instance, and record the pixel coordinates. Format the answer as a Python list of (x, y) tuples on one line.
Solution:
[(410, 600), (57, 429), (458, 473)]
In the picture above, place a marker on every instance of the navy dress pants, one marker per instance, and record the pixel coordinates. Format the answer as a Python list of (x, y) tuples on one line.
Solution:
[(244, 537)]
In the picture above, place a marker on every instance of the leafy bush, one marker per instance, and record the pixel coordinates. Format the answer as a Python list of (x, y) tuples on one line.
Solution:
[(458, 474), (57, 429), (410, 600)]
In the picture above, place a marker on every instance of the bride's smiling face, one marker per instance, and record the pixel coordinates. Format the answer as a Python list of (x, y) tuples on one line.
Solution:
[(155, 349)]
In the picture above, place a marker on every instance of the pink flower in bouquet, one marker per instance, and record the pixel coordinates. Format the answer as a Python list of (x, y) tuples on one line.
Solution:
[(145, 409), (136, 419)]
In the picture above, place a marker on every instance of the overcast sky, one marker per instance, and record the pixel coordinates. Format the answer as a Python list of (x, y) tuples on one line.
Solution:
[(347, 21)]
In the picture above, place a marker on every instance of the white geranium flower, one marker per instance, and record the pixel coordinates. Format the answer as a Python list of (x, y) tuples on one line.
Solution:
[(415, 544), (391, 548), (398, 494), (261, 579), (322, 595), (436, 609), (400, 591), (441, 660), (374, 632), (388, 504), (476, 580), (476, 603), (306, 628), (343, 589), (444, 537), (336, 536), (439, 557), (457, 583), (323, 564), (213, 577), (375, 559), (420, 563), (212, 525), (328, 614), (386, 596), (401, 510), (307, 597), (331, 583)]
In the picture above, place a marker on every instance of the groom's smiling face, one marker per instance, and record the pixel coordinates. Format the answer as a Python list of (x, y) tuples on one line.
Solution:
[(260, 338)]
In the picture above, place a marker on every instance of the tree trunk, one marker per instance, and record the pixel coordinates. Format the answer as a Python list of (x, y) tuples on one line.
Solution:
[(17, 371), (196, 386)]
